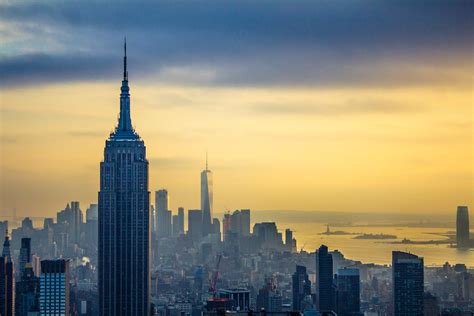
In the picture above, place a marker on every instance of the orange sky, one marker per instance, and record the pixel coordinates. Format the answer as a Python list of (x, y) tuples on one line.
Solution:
[(396, 149)]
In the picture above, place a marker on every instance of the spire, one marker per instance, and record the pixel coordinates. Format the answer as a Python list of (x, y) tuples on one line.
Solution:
[(125, 72), (124, 128), (206, 161)]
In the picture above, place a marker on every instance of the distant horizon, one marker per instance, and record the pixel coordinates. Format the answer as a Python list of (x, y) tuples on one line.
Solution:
[(314, 116)]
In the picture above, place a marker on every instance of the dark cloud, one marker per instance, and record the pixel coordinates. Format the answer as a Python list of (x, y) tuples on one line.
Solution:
[(240, 42)]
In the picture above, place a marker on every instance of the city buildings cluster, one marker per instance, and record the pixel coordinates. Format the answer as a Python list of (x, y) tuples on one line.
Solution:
[(130, 258)]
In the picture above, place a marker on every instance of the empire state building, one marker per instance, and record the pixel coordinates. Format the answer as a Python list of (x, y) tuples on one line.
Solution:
[(124, 219)]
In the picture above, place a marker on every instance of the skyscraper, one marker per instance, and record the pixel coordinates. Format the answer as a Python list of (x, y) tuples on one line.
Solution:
[(181, 219), (408, 282), (462, 227), (124, 220), (54, 288), (348, 292), (7, 280), (25, 254), (27, 293), (206, 200), (163, 215), (245, 222), (195, 224), (324, 280), (301, 287)]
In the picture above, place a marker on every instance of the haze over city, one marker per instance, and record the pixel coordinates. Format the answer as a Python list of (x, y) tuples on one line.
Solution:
[(335, 107)]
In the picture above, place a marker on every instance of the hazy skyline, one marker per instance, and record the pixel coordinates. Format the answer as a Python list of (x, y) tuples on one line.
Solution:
[(374, 113)]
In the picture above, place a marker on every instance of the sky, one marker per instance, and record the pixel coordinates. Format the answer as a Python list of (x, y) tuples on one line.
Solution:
[(344, 106)]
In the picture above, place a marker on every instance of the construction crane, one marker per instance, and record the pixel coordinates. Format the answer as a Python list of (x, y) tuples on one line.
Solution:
[(213, 278)]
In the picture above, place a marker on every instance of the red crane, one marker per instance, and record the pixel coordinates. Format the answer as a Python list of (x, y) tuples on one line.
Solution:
[(213, 278)]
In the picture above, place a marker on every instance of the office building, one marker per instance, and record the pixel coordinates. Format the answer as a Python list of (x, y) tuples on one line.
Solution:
[(25, 254), (325, 292), (7, 280), (462, 227), (163, 214), (348, 292), (124, 218), (54, 295), (245, 222), (206, 200), (408, 284), (181, 220), (195, 225), (27, 293), (92, 213), (301, 287)]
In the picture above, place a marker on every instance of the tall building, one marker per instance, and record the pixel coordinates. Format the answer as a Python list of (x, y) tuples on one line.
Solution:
[(76, 224), (92, 213), (301, 287), (54, 288), (163, 215), (348, 292), (289, 239), (27, 293), (206, 200), (462, 227), (324, 280), (7, 280), (245, 222), (124, 219), (195, 224), (25, 254), (408, 282), (181, 219)]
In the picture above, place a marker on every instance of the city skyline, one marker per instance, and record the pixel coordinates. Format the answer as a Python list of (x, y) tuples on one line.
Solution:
[(399, 108)]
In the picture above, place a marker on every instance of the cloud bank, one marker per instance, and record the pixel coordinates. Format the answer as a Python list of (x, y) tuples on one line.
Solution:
[(268, 43)]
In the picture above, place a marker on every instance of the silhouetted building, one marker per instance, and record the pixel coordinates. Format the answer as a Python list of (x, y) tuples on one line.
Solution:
[(348, 292), (124, 206), (301, 287), (181, 220), (407, 271), (245, 222), (92, 213), (206, 200), (163, 214), (462, 227), (25, 254), (7, 280), (54, 288), (27, 292), (195, 224), (324, 280)]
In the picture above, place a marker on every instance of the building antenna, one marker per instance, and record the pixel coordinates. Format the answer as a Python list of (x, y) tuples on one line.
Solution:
[(206, 161)]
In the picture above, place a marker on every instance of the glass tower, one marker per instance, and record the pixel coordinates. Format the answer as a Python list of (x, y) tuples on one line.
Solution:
[(124, 219)]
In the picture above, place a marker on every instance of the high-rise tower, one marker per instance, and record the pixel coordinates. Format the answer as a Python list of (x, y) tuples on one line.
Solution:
[(462, 227), (408, 284), (206, 200), (124, 220)]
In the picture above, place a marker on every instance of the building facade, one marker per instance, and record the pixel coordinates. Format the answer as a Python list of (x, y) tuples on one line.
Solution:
[(324, 280), (348, 292), (124, 219), (206, 200), (54, 295), (462, 227), (408, 284)]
